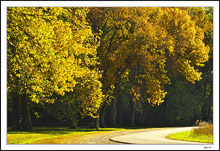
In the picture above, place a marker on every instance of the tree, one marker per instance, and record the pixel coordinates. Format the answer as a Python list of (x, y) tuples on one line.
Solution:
[(164, 42), (204, 19), (83, 56), (51, 51)]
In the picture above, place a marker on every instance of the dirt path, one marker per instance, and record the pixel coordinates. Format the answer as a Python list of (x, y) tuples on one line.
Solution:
[(103, 137), (158, 136), (140, 136)]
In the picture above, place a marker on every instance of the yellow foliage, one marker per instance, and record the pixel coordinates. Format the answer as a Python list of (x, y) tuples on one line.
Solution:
[(49, 54)]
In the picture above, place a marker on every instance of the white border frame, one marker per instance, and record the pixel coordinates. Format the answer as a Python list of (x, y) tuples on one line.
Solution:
[(5, 4)]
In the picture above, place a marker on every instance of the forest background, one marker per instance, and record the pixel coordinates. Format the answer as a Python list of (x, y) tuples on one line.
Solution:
[(109, 66)]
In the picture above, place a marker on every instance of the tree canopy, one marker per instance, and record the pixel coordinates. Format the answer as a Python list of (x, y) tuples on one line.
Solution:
[(83, 56)]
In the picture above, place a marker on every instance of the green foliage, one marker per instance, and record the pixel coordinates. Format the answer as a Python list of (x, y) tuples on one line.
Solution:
[(183, 103)]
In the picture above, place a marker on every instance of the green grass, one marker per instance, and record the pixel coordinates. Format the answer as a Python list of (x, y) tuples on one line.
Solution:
[(53, 135), (190, 136)]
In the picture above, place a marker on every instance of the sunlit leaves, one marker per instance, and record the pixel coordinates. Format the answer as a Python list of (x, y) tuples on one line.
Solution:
[(157, 39), (68, 50), (190, 51), (50, 50)]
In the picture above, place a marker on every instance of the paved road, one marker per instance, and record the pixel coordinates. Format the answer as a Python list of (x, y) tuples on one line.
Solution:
[(154, 136)]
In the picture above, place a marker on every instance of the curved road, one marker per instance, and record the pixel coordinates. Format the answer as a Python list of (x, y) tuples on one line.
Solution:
[(154, 136)]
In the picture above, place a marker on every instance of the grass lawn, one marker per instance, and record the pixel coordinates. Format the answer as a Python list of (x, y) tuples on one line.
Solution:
[(53, 135), (189, 136)]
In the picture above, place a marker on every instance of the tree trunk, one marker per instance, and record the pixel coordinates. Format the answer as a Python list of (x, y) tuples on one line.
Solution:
[(102, 116), (210, 109), (133, 109), (114, 107), (73, 124), (26, 118), (113, 113), (97, 120), (143, 119), (16, 111), (133, 80), (204, 106)]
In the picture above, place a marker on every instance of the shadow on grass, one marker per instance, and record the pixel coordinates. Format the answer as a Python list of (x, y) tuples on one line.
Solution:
[(51, 130), (65, 130)]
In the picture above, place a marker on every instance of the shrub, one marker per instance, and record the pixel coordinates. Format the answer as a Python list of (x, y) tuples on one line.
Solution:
[(204, 128)]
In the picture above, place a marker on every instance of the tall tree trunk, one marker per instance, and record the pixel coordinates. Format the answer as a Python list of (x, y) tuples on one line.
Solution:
[(143, 119), (133, 109), (26, 118), (114, 107), (113, 113), (210, 109), (133, 80), (205, 105), (16, 112), (97, 120), (102, 116)]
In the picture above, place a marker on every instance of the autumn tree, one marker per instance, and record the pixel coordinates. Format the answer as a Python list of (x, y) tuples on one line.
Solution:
[(204, 19), (163, 42), (51, 51), (84, 56)]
